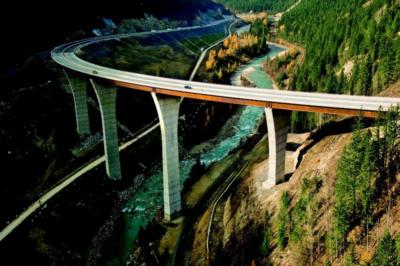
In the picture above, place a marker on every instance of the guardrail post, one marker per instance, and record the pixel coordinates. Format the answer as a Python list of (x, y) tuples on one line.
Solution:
[(78, 87), (168, 113), (278, 126), (107, 96)]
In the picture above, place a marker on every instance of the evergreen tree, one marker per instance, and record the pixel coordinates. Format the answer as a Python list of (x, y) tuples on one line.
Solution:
[(387, 149), (283, 220), (398, 249), (386, 253), (266, 239), (341, 86), (367, 184), (397, 60), (345, 191), (351, 258), (355, 187)]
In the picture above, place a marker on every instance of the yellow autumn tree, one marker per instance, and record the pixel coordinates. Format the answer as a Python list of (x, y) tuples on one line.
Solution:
[(226, 42), (230, 52), (234, 42), (220, 74), (210, 63), (248, 40), (212, 54), (221, 53)]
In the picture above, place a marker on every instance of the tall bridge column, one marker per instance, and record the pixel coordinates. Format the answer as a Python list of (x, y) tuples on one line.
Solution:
[(78, 87), (278, 126), (107, 96), (168, 113)]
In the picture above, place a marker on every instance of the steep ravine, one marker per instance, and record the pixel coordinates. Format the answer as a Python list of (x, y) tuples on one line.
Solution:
[(239, 221)]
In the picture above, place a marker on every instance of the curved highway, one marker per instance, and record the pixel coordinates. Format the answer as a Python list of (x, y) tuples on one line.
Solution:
[(96, 162), (66, 55)]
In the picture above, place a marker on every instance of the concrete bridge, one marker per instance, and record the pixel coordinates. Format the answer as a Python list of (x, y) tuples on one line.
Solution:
[(167, 94)]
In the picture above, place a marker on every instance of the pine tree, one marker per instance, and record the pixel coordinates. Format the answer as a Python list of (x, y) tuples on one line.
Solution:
[(266, 239), (367, 77), (349, 184), (397, 60), (388, 148), (354, 79), (384, 72), (367, 185), (398, 249), (283, 220), (351, 258), (386, 253), (341, 86)]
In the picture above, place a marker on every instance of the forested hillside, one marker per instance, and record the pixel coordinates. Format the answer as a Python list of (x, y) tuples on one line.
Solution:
[(258, 5), (353, 32), (352, 46)]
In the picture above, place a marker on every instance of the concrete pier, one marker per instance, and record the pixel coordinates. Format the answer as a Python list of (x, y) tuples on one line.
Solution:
[(107, 96), (79, 87), (168, 113), (278, 126)]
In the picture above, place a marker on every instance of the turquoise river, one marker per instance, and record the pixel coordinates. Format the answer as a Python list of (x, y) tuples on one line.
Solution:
[(147, 202)]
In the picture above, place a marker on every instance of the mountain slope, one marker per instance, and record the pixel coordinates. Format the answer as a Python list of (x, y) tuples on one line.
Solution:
[(291, 223), (359, 38), (352, 47)]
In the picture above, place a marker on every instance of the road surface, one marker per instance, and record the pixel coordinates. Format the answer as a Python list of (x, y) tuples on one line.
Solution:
[(66, 55)]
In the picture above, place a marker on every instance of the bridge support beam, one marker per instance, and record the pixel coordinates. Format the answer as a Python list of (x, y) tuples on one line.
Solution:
[(78, 87), (168, 113), (278, 126), (107, 97)]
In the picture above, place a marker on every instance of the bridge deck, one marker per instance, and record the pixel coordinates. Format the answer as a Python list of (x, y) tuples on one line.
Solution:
[(66, 55), (240, 101)]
